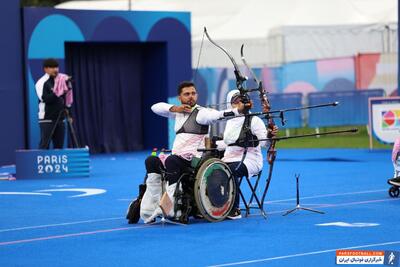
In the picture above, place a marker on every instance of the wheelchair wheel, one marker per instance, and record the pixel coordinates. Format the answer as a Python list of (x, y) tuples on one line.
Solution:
[(394, 191), (214, 190)]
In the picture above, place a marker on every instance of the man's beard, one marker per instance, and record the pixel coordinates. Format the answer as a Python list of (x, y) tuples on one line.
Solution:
[(191, 103)]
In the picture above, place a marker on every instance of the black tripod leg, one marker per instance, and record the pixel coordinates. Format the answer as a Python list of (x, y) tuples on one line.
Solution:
[(290, 211), (53, 130), (298, 207), (72, 131), (317, 211)]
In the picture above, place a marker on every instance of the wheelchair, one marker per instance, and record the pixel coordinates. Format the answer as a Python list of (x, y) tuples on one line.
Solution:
[(394, 190), (206, 190)]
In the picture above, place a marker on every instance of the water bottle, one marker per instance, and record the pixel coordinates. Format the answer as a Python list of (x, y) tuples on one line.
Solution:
[(154, 152)]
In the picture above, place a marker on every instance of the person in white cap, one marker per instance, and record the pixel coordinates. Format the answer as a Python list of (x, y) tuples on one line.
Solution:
[(237, 141)]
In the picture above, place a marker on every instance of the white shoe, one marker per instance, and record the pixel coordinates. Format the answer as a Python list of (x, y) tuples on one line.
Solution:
[(157, 212)]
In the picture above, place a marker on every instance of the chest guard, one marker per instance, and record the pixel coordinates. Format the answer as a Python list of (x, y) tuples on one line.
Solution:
[(246, 138), (192, 126)]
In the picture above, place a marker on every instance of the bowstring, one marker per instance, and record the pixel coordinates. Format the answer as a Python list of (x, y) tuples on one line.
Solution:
[(198, 58)]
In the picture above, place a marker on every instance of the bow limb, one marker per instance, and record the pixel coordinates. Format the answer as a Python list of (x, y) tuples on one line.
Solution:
[(239, 77), (248, 67), (271, 154), (260, 88)]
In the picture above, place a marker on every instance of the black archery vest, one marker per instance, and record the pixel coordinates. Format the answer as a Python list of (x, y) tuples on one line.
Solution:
[(246, 138), (192, 126)]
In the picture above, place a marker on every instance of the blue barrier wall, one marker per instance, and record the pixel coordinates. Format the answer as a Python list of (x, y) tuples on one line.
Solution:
[(284, 101), (11, 82), (352, 108)]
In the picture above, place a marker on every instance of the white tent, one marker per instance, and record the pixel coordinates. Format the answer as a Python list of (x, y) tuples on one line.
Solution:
[(296, 43), (275, 31)]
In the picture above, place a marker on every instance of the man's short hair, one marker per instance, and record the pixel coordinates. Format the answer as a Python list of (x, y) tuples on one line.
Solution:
[(183, 85), (50, 63)]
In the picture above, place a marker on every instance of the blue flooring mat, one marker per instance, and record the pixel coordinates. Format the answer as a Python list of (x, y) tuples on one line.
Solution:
[(46, 227)]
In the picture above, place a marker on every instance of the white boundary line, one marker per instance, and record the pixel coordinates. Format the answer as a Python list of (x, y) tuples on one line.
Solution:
[(318, 196), (59, 224), (344, 204), (147, 226), (302, 254), (328, 195), (267, 202), (20, 241)]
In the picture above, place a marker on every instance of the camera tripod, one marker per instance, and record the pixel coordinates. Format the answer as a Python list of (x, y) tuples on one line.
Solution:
[(298, 207), (64, 111)]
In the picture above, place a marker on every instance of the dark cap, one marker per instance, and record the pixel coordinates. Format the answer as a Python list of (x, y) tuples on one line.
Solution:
[(50, 63)]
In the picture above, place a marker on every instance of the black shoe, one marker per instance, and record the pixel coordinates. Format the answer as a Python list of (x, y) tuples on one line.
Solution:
[(394, 181), (235, 214), (133, 212), (198, 216)]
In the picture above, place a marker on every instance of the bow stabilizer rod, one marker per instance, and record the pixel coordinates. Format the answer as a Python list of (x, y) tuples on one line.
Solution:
[(354, 130), (281, 111)]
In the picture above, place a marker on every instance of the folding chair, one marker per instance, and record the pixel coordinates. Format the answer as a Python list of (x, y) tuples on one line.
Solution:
[(253, 187)]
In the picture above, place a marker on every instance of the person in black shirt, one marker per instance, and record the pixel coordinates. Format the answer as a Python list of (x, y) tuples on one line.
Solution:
[(51, 115)]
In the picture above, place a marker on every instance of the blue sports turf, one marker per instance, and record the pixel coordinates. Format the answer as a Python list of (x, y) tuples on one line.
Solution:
[(56, 229)]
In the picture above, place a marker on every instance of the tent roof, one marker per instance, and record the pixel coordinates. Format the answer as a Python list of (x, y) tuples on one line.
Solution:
[(253, 19), (272, 30)]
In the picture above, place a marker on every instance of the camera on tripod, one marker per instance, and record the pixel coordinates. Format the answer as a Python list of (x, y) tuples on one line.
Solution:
[(63, 88), (69, 82)]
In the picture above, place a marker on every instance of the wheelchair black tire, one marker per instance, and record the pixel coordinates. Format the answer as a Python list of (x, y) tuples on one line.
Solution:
[(197, 191), (394, 191)]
